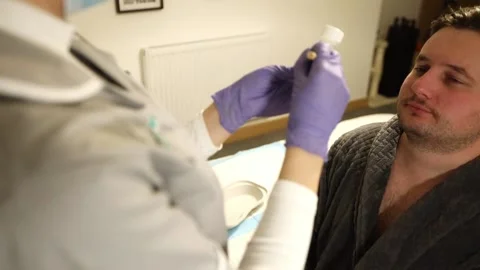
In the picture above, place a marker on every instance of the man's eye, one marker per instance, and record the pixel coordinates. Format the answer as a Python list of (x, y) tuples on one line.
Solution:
[(420, 70), (452, 79)]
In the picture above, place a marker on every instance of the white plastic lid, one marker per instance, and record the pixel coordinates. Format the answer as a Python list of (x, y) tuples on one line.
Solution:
[(332, 35)]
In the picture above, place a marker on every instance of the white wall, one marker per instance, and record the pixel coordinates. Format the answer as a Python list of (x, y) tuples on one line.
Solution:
[(293, 25), (398, 8)]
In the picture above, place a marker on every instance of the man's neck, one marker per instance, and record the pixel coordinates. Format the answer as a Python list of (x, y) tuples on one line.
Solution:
[(429, 163)]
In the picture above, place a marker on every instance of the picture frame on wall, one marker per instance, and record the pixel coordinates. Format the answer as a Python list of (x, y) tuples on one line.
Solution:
[(127, 6)]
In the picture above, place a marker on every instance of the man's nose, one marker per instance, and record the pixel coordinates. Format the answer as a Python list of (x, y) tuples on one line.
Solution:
[(427, 85)]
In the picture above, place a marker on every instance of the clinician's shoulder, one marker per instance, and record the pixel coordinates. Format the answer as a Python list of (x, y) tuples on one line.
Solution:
[(59, 132), (32, 72), (48, 100)]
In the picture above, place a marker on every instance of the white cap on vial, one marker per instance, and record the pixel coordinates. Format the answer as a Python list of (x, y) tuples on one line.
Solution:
[(331, 35)]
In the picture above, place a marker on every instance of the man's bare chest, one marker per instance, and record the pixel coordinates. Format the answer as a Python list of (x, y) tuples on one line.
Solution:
[(401, 193)]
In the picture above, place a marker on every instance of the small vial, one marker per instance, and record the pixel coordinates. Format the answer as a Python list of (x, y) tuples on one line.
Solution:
[(331, 35)]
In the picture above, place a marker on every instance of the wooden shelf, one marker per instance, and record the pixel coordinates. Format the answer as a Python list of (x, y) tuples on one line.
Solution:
[(379, 100)]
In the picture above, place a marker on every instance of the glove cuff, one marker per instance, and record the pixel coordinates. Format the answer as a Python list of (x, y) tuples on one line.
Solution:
[(227, 117), (317, 145)]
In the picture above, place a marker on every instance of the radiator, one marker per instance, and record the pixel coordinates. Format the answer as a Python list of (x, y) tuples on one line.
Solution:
[(182, 77)]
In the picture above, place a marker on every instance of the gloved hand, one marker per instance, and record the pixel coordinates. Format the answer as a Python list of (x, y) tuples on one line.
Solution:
[(320, 96), (262, 93)]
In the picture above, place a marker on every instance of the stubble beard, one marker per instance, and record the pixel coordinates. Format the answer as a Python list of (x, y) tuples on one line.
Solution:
[(439, 137)]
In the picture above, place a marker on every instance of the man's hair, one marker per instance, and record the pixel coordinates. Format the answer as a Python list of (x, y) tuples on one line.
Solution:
[(460, 18)]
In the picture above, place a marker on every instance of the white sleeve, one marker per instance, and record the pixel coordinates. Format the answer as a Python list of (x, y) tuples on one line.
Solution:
[(197, 131), (283, 237)]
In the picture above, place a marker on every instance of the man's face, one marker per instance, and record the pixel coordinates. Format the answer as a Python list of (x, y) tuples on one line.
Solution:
[(439, 101)]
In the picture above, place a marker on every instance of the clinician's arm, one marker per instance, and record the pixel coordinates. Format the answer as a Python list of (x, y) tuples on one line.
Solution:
[(218, 134), (288, 221), (302, 167), (283, 236), (319, 99), (264, 92), (206, 131)]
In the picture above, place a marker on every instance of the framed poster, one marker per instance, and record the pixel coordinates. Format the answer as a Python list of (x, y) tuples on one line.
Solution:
[(125, 6)]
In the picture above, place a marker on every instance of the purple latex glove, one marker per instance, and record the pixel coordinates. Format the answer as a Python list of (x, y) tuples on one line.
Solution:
[(262, 93), (320, 96)]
